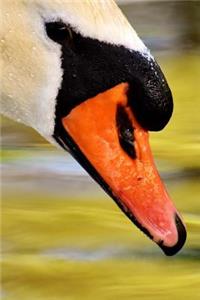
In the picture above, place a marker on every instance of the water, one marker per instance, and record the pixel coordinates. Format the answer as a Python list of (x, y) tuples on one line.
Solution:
[(63, 238)]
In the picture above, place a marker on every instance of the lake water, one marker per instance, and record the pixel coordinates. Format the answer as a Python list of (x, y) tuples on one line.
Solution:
[(63, 237)]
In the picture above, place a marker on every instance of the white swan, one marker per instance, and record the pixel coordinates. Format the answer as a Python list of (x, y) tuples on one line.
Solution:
[(77, 72)]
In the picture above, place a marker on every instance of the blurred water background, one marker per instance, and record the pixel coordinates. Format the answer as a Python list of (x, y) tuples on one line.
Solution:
[(62, 236)]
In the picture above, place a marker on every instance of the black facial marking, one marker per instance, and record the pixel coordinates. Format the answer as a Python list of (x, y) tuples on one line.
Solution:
[(91, 67), (125, 131)]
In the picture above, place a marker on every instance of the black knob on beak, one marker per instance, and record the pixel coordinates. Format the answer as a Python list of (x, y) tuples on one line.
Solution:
[(150, 96)]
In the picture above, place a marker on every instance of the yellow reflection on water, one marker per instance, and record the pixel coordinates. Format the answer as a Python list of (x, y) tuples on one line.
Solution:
[(86, 249)]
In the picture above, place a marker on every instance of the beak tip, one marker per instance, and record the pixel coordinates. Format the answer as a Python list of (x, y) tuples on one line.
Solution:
[(182, 235)]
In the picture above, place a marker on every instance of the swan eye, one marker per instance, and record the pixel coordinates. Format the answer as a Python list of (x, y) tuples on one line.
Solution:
[(59, 32)]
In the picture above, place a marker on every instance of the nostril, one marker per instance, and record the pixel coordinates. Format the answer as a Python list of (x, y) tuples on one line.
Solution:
[(182, 234), (125, 131)]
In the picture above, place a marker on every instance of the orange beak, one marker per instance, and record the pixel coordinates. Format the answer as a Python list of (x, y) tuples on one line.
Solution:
[(117, 150)]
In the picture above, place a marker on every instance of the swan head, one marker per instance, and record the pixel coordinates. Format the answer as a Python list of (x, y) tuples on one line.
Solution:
[(78, 73)]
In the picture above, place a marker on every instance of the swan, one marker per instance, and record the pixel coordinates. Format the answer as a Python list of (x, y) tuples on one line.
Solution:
[(77, 72)]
